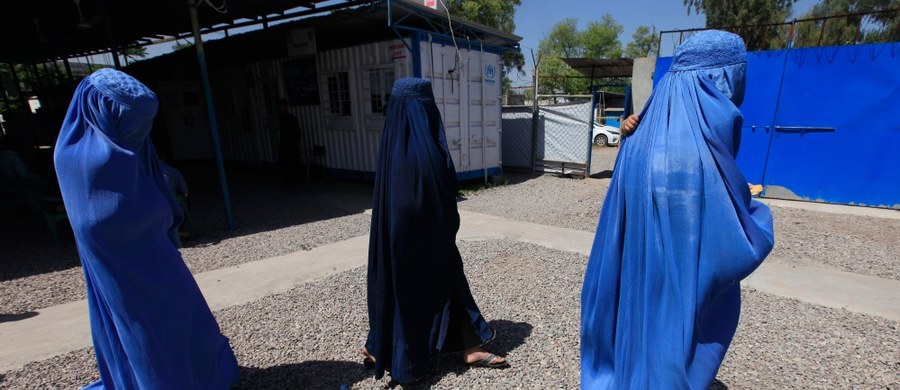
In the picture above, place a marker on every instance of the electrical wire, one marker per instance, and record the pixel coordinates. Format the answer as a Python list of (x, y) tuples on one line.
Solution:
[(453, 37), (222, 9)]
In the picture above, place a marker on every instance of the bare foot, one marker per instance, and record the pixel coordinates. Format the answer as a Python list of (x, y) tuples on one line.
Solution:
[(368, 355), (475, 354)]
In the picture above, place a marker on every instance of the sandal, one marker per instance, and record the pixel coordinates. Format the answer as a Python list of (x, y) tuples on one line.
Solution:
[(489, 362)]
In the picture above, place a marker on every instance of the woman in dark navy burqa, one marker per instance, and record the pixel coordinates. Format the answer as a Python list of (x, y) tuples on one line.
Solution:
[(150, 325), (677, 232), (419, 300)]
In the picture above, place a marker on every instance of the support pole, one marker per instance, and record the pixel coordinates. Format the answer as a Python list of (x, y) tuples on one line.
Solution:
[(68, 68), (23, 100), (535, 112), (211, 111), (114, 48)]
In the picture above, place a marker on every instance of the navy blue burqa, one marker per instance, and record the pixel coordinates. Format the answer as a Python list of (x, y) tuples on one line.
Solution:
[(419, 300), (150, 325), (677, 232)]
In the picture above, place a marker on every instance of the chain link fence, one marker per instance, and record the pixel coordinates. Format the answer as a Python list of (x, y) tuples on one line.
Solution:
[(557, 139), (517, 138)]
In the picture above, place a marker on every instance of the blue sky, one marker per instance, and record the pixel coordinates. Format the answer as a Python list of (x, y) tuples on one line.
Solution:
[(535, 18)]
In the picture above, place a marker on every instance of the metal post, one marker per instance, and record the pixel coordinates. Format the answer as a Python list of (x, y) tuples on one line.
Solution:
[(114, 49), (535, 113), (590, 148), (483, 119), (68, 68), (211, 111), (22, 99)]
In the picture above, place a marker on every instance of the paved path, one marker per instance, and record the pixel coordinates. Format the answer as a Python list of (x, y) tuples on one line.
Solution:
[(64, 328)]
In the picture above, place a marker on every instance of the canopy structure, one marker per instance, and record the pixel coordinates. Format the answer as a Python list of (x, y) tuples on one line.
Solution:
[(54, 29), (43, 32), (601, 68)]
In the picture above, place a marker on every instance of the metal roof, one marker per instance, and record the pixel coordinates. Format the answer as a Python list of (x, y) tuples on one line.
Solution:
[(40, 30), (600, 68)]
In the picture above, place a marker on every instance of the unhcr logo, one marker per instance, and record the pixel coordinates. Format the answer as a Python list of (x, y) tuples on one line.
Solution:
[(489, 73)]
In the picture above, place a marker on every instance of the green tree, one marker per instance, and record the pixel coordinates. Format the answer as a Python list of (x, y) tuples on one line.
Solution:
[(499, 14), (749, 14), (495, 13), (178, 45), (563, 41), (644, 43), (600, 39), (133, 53), (850, 29)]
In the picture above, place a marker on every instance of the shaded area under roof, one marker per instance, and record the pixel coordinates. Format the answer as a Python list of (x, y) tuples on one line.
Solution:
[(601, 68), (40, 30)]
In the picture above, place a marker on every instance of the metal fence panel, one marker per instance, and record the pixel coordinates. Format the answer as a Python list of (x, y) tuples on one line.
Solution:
[(564, 137), (517, 137)]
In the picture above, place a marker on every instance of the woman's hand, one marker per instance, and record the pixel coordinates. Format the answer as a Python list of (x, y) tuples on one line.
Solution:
[(629, 125)]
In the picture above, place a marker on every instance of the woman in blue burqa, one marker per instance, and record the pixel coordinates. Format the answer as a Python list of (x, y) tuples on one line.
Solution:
[(677, 232), (419, 300), (150, 325)]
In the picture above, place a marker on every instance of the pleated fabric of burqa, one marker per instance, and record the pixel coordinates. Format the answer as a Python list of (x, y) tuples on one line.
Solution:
[(151, 326), (418, 296), (678, 231)]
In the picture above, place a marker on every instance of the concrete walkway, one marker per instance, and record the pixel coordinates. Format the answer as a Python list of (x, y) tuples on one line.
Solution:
[(64, 328)]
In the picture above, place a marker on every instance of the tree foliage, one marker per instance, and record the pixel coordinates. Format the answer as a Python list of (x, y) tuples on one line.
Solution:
[(644, 43), (499, 14), (495, 13), (850, 29), (599, 39), (134, 53), (731, 13)]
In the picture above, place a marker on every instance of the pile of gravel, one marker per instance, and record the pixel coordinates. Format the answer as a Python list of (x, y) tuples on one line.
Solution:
[(309, 337)]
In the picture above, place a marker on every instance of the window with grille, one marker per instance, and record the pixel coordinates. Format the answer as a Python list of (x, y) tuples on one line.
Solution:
[(338, 94), (380, 83)]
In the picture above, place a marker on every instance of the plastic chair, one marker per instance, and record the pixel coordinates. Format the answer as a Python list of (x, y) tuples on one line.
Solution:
[(51, 208)]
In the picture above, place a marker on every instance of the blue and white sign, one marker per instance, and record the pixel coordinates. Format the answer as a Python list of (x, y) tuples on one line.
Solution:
[(490, 73)]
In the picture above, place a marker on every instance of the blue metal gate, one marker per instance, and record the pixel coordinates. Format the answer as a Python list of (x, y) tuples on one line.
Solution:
[(823, 124)]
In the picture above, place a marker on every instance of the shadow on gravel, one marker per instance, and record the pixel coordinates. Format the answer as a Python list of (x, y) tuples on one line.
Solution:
[(259, 204), (510, 335), (306, 375), (718, 385), (607, 174), (17, 317)]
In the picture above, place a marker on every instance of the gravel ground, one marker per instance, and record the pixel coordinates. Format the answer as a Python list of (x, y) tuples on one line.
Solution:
[(271, 222), (863, 245), (309, 337)]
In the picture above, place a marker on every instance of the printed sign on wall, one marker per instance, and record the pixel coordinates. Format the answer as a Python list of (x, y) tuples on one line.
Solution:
[(490, 74)]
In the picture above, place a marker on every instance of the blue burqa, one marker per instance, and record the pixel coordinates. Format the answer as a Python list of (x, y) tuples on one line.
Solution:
[(677, 232), (150, 325), (419, 300)]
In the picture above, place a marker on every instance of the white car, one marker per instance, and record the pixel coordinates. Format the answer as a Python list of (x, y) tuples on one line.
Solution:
[(605, 135)]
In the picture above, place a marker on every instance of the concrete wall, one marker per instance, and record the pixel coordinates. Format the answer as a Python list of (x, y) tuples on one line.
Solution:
[(642, 81)]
